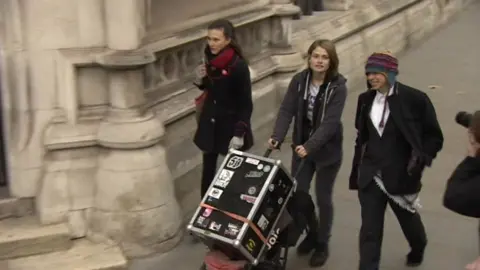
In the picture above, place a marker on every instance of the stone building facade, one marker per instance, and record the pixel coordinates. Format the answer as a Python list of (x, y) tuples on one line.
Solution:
[(98, 106), (98, 100)]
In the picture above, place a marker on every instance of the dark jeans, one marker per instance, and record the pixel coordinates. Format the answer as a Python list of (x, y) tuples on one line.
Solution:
[(208, 171), (324, 182), (374, 202)]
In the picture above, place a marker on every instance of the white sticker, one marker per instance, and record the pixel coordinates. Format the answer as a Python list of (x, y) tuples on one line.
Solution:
[(247, 198), (267, 168), (232, 230), (200, 220), (271, 187), (252, 161), (215, 193), (224, 178), (263, 222), (234, 162), (254, 174), (252, 190), (215, 226), (260, 167)]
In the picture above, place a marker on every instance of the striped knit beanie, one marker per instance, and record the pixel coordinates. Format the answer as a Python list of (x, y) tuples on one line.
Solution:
[(384, 63)]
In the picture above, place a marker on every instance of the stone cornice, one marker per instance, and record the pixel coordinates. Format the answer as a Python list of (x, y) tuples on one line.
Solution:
[(237, 15)]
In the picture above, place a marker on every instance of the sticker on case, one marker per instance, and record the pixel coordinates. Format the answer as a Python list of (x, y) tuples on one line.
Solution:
[(234, 162), (224, 178), (263, 222), (215, 193), (215, 226), (252, 161)]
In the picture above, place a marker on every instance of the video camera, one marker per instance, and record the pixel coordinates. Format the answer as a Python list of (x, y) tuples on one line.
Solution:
[(464, 119)]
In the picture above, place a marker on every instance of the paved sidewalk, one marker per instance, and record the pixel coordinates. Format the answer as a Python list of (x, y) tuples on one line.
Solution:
[(450, 60)]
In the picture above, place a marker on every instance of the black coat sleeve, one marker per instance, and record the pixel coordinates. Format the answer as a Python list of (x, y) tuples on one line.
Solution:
[(287, 111), (432, 136), (244, 96), (462, 194), (357, 148)]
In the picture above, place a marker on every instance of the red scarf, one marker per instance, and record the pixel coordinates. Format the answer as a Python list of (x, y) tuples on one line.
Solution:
[(221, 62)]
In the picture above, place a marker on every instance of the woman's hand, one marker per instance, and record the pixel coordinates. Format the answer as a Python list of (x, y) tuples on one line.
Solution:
[(200, 71), (272, 143), (473, 145), (301, 151), (236, 143)]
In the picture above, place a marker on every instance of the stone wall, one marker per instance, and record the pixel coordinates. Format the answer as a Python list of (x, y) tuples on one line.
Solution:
[(377, 25), (88, 88), (161, 18)]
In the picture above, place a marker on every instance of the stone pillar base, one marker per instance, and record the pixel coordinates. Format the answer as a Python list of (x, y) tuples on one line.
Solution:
[(135, 204)]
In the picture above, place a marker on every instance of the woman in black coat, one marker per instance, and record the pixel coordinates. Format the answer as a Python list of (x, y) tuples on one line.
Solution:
[(224, 121)]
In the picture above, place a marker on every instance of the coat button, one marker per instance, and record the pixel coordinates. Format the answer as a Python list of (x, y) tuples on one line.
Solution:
[(212, 120)]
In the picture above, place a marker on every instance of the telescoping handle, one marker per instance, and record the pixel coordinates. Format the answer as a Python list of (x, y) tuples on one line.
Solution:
[(300, 166), (269, 150)]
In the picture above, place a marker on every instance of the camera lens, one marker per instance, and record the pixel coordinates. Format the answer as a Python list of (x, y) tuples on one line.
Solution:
[(463, 119)]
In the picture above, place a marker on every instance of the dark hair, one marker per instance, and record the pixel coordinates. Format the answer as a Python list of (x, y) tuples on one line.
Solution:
[(328, 46), (228, 32)]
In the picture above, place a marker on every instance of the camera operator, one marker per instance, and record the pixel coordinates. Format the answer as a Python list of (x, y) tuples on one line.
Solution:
[(462, 194)]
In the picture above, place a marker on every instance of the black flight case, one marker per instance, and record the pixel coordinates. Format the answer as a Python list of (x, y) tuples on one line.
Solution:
[(241, 210)]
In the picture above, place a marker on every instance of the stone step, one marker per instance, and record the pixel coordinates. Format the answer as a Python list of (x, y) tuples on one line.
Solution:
[(84, 255), (20, 237), (14, 207)]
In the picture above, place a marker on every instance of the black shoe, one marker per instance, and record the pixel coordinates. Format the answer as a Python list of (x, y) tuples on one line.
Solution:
[(414, 259), (319, 256), (306, 246)]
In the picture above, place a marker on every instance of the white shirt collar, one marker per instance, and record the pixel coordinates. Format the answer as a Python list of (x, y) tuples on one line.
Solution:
[(390, 92)]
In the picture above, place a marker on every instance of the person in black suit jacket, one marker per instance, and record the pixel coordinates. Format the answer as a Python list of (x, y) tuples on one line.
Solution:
[(398, 136)]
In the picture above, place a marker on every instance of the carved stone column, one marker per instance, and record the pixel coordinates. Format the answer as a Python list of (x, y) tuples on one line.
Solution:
[(286, 58), (125, 23), (134, 204), (281, 39)]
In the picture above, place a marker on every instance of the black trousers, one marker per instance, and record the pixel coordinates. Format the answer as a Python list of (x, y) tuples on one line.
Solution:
[(208, 171), (373, 203), (324, 183)]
